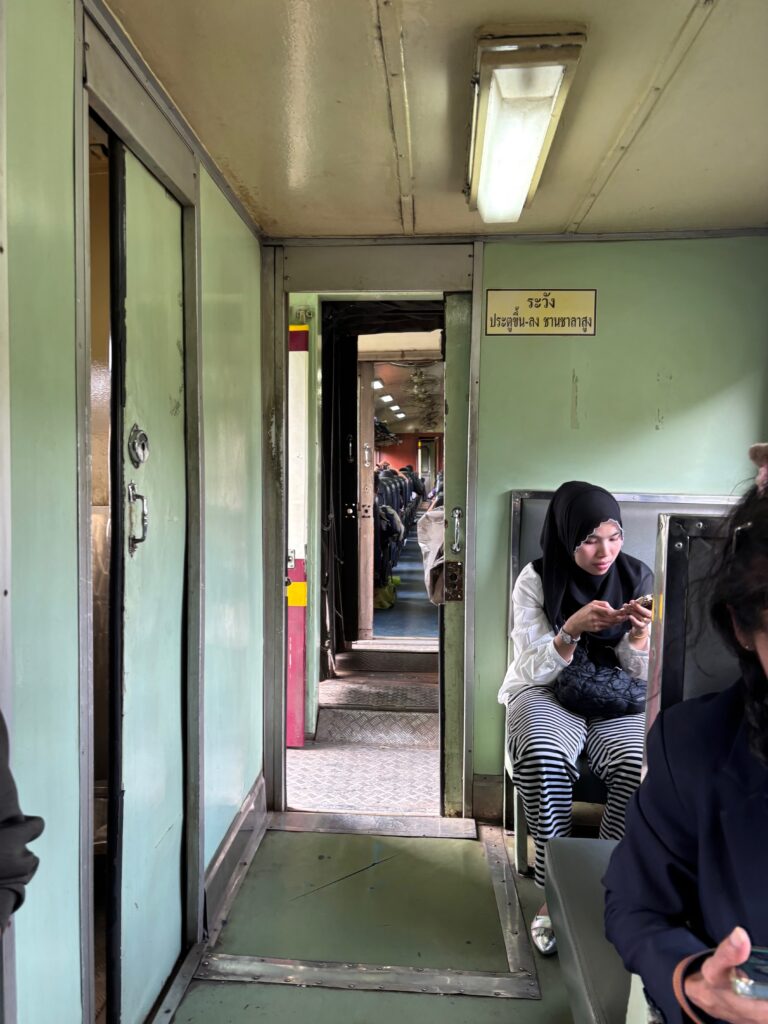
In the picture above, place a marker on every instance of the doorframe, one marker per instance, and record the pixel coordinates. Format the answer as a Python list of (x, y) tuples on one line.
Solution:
[(351, 271), (7, 950), (109, 83)]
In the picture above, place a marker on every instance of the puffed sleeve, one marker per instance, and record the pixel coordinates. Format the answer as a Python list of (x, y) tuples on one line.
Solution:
[(17, 863), (535, 658), (651, 881)]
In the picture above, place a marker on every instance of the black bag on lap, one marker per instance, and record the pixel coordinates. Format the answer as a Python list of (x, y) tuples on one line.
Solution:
[(598, 691)]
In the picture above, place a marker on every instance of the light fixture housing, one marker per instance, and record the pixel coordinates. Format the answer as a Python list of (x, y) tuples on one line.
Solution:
[(394, 408), (400, 415), (521, 81), (377, 383), (386, 398)]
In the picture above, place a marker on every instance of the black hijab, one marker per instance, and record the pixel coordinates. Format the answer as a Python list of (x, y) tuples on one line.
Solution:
[(575, 511)]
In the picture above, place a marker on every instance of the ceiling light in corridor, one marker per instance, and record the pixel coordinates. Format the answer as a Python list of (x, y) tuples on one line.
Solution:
[(520, 85)]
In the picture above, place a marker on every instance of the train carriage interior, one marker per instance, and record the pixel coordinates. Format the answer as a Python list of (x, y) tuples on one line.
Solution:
[(306, 311)]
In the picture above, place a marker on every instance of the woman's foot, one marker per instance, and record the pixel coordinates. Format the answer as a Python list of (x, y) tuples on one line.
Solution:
[(542, 934)]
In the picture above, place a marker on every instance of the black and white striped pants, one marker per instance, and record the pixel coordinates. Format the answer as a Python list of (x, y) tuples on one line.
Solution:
[(544, 742)]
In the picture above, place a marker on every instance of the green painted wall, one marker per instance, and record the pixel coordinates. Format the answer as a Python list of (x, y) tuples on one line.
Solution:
[(231, 312), (301, 301), (666, 397), (41, 249)]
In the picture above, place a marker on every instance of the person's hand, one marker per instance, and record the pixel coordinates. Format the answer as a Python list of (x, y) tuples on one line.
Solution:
[(639, 618), (710, 987), (593, 617)]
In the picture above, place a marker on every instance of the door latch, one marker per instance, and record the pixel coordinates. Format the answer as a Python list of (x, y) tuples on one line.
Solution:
[(138, 446), (454, 581), (134, 496)]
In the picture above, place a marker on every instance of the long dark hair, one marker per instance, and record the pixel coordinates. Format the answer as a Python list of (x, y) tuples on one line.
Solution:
[(740, 593)]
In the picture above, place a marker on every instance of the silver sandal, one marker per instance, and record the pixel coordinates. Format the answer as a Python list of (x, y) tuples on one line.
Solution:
[(543, 935)]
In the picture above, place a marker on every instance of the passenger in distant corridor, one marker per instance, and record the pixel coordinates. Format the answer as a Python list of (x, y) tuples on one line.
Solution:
[(692, 870), (577, 621)]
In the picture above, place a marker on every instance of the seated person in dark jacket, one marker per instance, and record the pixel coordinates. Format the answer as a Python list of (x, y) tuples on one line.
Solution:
[(691, 873), (17, 864)]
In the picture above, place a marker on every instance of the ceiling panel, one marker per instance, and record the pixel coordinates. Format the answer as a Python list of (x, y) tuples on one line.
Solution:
[(290, 98), (702, 157), (624, 41)]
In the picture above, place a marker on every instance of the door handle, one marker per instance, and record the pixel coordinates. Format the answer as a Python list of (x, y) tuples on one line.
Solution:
[(457, 515), (134, 496), (367, 455)]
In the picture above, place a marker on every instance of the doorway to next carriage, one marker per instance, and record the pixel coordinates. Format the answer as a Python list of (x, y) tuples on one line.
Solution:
[(375, 744)]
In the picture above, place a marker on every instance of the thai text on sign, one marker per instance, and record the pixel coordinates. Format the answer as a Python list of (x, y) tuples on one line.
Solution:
[(526, 311)]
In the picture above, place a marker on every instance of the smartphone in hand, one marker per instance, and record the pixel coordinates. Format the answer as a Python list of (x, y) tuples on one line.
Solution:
[(750, 979)]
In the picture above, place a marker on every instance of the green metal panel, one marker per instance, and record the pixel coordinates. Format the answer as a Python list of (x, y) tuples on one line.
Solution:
[(458, 316), (666, 397), (41, 254), (310, 303), (231, 312), (152, 750), (368, 899)]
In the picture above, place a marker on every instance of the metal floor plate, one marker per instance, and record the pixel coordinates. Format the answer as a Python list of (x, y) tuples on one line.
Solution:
[(364, 779), (518, 982), (426, 827)]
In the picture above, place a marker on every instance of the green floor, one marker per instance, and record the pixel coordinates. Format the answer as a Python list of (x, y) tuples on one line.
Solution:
[(365, 899), (368, 899)]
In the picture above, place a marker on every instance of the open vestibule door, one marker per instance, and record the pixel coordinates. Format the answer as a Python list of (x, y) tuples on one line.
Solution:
[(146, 836), (458, 324)]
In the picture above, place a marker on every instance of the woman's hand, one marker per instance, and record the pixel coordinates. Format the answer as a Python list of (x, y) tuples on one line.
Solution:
[(593, 617), (710, 988), (640, 620)]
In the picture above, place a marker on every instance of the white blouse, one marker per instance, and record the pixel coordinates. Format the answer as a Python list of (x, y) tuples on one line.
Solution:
[(535, 660)]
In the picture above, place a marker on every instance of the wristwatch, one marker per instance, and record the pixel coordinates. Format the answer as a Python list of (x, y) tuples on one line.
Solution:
[(566, 637)]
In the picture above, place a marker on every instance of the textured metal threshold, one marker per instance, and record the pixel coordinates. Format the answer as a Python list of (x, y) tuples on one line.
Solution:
[(367, 978), (412, 826), (403, 644)]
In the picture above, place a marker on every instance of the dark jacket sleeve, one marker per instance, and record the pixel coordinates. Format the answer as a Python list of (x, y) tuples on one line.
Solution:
[(651, 882), (17, 863)]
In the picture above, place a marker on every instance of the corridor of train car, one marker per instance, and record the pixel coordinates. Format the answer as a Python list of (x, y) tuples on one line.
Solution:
[(364, 720), (295, 344)]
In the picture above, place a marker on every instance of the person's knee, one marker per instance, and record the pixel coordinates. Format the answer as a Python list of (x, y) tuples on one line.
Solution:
[(548, 758)]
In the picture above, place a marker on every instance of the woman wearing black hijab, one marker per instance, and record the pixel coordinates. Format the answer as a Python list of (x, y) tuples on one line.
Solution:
[(577, 603)]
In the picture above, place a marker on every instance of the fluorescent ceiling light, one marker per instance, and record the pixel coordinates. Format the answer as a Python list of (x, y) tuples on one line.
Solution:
[(377, 383), (386, 398), (400, 415), (394, 408), (520, 87)]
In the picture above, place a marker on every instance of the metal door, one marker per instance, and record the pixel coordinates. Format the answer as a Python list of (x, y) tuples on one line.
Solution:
[(150, 528), (458, 317)]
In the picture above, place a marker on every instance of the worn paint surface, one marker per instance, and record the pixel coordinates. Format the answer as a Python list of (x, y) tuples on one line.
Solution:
[(232, 424), (368, 899), (152, 762), (458, 315), (246, 1004), (44, 738), (311, 304), (666, 397)]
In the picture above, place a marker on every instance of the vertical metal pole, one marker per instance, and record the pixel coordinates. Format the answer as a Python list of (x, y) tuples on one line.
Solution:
[(470, 568), (7, 951), (273, 368), (365, 497), (84, 554), (194, 820)]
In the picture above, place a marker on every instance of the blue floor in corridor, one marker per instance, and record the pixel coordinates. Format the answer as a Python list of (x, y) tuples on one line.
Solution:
[(413, 614)]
